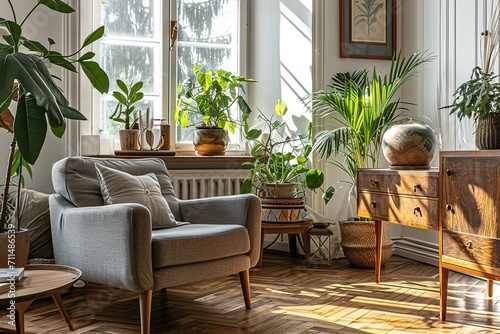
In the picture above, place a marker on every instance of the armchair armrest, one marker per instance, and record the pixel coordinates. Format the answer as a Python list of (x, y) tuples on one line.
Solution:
[(110, 244), (242, 210)]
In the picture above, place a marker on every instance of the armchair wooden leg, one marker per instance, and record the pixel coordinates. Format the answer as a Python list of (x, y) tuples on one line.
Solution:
[(245, 286), (145, 299)]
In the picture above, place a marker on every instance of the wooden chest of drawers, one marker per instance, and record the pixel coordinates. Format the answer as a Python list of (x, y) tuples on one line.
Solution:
[(469, 238), (400, 196)]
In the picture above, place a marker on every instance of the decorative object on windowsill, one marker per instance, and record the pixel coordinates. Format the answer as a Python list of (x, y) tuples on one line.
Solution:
[(41, 104), (126, 113), (409, 145), (208, 102), (362, 106), (281, 159), (479, 97), (150, 137)]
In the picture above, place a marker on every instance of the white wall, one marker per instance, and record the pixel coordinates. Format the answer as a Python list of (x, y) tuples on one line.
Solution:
[(42, 24)]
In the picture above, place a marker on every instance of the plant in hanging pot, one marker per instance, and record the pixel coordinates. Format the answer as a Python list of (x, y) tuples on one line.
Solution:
[(280, 173), (207, 102), (479, 97), (361, 108), (126, 113), (27, 85)]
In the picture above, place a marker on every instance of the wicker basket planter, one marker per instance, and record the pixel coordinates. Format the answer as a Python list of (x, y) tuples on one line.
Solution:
[(488, 132), (358, 243)]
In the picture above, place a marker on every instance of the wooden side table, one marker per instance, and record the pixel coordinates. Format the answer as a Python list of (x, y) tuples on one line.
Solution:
[(299, 228), (41, 281)]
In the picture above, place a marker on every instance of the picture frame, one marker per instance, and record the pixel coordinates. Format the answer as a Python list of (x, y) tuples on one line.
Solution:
[(368, 29)]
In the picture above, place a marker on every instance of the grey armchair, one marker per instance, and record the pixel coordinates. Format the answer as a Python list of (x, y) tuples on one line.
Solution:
[(115, 244)]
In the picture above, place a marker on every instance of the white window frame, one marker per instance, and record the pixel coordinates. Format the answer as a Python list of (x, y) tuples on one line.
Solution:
[(89, 18)]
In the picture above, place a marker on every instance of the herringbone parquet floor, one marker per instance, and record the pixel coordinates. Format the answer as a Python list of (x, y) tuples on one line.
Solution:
[(288, 297)]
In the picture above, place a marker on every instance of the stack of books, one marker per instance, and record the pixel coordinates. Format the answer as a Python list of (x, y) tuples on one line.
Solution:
[(6, 274)]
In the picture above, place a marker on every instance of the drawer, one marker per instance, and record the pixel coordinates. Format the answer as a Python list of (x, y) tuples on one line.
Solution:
[(407, 182), (373, 205), (413, 211), (472, 248)]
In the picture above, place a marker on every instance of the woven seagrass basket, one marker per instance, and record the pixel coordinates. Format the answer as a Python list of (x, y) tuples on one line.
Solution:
[(358, 242)]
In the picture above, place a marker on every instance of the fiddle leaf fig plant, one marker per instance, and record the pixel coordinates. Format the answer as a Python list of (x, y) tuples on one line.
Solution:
[(27, 85)]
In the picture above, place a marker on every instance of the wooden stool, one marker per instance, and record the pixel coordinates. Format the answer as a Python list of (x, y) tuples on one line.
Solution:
[(298, 228)]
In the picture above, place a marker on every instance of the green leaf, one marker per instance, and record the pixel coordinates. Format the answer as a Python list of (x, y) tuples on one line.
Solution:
[(57, 59), (57, 5), (86, 56), (328, 194), (314, 178), (280, 107), (98, 78), (253, 134), (120, 97), (246, 186), (14, 30), (51, 41), (35, 46), (30, 127), (93, 36)]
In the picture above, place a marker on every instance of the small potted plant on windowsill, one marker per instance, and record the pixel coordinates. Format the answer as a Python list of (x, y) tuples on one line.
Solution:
[(208, 104), (25, 78), (126, 113), (280, 173)]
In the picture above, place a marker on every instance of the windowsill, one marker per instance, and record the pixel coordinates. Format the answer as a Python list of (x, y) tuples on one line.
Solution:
[(194, 161)]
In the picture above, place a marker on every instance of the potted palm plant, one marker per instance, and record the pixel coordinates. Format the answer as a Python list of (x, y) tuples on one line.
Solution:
[(125, 113), (361, 107), (479, 97), (280, 174), (207, 103), (41, 104)]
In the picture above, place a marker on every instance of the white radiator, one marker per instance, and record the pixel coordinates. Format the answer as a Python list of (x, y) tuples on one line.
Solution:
[(190, 184)]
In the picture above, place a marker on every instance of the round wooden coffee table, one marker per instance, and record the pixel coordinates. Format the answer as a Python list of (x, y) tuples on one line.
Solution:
[(41, 280)]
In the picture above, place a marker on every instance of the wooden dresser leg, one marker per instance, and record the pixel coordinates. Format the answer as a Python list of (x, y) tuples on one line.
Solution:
[(443, 291), (245, 287), (378, 249), (145, 299), (490, 288)]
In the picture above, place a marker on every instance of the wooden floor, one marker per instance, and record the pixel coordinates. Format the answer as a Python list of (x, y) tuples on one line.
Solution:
[(288, 297)]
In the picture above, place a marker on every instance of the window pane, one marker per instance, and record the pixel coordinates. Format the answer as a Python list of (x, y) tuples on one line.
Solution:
[(208, 35), (130, 63), (132, 18)]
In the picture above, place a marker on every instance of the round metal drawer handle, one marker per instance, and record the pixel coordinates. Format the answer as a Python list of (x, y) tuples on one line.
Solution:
[(448, 172), (417, 187), (448, 207), (374, 184), (470, 244), (373, 204)]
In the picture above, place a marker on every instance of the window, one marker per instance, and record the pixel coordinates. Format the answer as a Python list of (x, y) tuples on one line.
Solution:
[(137, 46)]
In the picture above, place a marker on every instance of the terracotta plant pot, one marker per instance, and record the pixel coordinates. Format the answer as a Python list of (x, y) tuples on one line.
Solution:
[(18, 251), (488, 132), (358, 242), (209, 141), (129, 139)]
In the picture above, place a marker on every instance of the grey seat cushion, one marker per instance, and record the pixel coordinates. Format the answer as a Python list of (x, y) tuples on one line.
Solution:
[(197, 243)]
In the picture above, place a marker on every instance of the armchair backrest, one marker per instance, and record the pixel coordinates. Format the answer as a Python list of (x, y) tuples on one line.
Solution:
[(75, 178)]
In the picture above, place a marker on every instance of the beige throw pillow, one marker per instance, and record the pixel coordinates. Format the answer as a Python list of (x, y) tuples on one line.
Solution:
[(121, 187)]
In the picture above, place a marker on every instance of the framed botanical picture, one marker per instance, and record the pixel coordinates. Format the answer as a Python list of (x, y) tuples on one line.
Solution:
[(368, 28)]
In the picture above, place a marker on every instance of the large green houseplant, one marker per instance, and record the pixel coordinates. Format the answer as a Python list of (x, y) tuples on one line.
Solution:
[(479, 97), (27, 85), (361, 106), (207, 102)]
